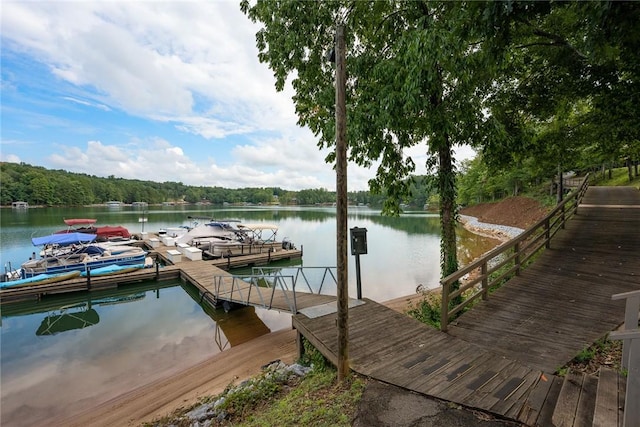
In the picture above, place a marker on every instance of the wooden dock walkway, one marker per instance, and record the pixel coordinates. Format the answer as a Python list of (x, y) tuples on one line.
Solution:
[(208, 269), (221, 286), (501, 356)]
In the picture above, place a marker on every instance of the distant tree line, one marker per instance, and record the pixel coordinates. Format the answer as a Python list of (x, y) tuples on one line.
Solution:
[(39, 186)]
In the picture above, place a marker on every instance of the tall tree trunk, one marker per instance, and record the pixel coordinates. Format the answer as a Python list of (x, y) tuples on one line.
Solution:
[(341, 203), (448, 212)]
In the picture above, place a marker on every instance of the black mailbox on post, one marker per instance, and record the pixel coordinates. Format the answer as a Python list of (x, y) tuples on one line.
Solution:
[(358, 241), (358, 247)]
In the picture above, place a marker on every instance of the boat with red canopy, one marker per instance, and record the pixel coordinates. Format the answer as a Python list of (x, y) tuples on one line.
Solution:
[(79, 221), (103, 233)]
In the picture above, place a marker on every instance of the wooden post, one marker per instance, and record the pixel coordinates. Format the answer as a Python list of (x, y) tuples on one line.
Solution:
[(341, 206), (630, 355), (631, 318), (485, 281), (444, 310), (547, 233), (632, 394)]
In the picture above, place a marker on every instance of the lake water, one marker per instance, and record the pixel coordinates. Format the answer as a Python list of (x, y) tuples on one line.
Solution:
[(66, 353)]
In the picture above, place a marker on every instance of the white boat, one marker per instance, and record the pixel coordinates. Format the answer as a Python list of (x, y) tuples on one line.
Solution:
[(77, 252), (20, 205), (213, 231), (256, 238)]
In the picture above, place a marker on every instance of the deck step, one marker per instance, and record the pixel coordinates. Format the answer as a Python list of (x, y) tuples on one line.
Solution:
[(587, 401), (567, 405), (608, 412)]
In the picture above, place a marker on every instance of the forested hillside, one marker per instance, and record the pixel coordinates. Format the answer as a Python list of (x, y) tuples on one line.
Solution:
[(40, 186)]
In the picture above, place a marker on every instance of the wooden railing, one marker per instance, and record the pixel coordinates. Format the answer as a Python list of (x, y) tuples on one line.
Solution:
[(506, 260), (630, 335)]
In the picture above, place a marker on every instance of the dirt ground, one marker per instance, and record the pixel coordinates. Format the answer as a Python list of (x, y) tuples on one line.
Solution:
[(211, 376), (520, 212)]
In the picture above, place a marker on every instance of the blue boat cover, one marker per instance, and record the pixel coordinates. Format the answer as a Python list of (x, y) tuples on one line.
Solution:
[(63, 239)]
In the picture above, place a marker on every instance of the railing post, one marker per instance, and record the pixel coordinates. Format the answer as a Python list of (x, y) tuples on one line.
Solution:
[(562, 214), (632, 394), (295, 300), (547, 234), (630, 337), (485, 281), (516, 260), (444, 311), (631, 317)]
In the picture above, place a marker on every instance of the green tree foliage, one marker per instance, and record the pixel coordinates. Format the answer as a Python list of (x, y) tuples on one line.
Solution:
[(413, 78), (39, 186), (567, 91)]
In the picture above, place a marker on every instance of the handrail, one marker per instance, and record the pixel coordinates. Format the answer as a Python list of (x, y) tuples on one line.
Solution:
[(511, 255), (266, 281), (630, 354)]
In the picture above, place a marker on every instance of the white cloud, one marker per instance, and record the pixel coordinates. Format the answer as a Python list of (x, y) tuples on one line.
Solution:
[(9, 158), (191, 64), (184, 61), (87, 103)]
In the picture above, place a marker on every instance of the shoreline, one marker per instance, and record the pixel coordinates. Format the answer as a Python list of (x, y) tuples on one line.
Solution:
[(501, 232), (163, 396), (183, 388)]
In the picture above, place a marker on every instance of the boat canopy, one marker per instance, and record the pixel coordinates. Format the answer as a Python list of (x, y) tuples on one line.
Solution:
[(258, 226), (79, 221), (260, 232), (63, 239)]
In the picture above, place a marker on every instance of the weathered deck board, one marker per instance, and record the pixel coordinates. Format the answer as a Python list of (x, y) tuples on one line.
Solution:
[(499, 356), (606, 410), (564, 298)]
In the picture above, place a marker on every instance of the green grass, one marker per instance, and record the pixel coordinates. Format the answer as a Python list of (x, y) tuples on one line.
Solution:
[(316, 399), (603, 352), (319, 400), (619, 177)]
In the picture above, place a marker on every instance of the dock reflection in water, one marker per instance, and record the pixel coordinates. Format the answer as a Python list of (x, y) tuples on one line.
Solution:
[(97, 345)]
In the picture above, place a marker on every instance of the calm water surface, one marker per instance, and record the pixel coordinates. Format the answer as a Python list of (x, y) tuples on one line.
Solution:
[(97, 345)]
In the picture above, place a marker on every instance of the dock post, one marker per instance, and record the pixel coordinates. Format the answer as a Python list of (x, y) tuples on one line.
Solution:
[(88, 278), (157, 271), (299, 344)]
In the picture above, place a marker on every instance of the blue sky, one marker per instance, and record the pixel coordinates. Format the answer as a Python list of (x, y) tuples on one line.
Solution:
[(160, 91)]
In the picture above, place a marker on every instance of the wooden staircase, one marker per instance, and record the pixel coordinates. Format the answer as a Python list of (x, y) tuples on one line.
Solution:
[(578, 400)]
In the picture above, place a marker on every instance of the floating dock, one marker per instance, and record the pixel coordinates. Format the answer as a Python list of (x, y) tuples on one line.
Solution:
[(169, 264)]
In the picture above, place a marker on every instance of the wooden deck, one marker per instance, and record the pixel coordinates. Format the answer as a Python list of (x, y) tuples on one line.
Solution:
[(500, 356), (562, 303), (218, 285)]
